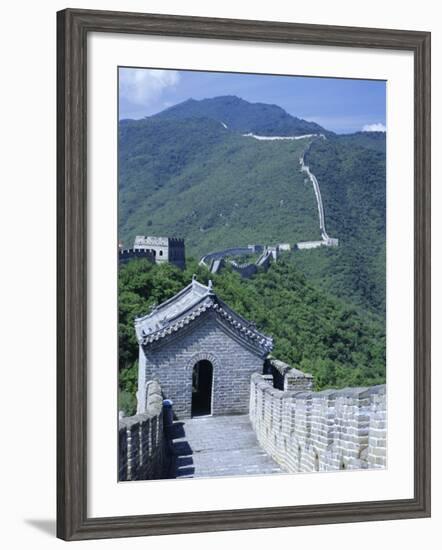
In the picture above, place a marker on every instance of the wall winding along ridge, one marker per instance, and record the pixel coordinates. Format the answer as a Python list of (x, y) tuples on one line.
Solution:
[(326, 240), (215, 261), (320, 431), (279, 138)]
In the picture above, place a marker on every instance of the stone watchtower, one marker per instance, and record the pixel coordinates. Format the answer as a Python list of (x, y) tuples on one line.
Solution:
[(164, 249), (201, 352)]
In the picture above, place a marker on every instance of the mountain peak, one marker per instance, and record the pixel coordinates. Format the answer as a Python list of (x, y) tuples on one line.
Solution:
[(243, 116)]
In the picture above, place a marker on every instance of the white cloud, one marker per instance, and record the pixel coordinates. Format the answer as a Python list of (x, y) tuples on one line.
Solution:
[(141, 86), (339, 123), (377, 127)]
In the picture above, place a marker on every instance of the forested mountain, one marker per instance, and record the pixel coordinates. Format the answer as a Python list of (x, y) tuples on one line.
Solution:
[(195, 179), (351, 173), (183, 173), (241, 116)]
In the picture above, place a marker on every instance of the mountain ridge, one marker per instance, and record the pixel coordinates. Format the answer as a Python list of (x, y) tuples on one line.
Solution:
[(243, 116), (186, 175)]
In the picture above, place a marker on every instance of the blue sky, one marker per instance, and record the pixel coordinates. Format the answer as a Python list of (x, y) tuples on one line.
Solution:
[(340, 105)]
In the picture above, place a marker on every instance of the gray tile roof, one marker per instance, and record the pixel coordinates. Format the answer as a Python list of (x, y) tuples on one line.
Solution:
[(181, 310)]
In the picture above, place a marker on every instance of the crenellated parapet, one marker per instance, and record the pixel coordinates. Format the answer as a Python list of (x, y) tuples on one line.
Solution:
[(308, 431), (143, 452), (164, 249), (127, 254), (287, 378)]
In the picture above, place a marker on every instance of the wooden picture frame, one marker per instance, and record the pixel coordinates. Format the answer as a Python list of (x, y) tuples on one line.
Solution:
[(73, 27)]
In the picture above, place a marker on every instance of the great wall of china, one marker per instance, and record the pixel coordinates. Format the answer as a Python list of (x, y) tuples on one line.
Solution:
[(326, 240), (142, 444), (215, 261), (293, 430), (283, 425), (165, 249), (305, 431)]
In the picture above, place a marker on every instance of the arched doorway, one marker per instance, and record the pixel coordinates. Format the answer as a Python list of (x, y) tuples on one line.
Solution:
[(202, 378)]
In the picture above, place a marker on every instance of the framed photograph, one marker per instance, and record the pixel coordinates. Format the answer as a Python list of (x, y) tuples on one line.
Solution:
[(243, 274)]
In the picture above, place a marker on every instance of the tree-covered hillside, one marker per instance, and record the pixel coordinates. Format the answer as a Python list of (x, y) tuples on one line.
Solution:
[(351, 174), (242, 116), (183, 174), (312, 330), (215, 188)]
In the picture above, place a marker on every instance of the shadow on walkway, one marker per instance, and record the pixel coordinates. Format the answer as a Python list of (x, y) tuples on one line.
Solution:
[(181, 452), (212, 446)]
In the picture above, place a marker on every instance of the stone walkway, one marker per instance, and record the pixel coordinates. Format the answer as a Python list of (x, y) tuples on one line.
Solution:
[(209, 446)]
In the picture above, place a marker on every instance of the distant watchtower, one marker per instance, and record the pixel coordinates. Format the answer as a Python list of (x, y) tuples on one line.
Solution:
[(164, 249)]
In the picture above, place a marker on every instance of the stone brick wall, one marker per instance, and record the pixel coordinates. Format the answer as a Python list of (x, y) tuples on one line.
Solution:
[(236, 251), (320, 431), (245, 270), (130, 254), (142, 443), (171, 364), (287, 378), (215, 261), (177, 254), (162, 249)]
